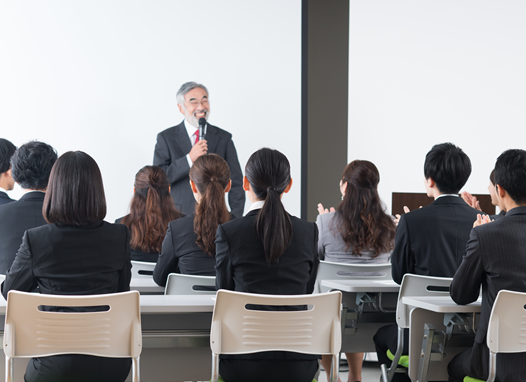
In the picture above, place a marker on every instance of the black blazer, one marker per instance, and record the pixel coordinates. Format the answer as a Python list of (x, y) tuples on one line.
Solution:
[(4, 198), (181, 254), (431, 240), (15, 219), (173, 145), (496, 259), (137, 254), (241, 265)]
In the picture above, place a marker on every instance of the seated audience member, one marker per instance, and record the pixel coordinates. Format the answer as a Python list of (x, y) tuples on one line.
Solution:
[(7, 149), (358, 231), (77, 253), (431, 240), (30, 166), (189, 246), (473, 202), (268, 252), (495, 259), (151, 209)]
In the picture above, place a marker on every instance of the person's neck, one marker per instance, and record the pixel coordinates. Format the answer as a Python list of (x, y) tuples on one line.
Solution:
[(510, 204)]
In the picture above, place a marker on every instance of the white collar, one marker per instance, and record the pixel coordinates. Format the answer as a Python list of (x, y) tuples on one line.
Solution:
[(3, 189), (441, 195), (257, 205), (190, 129)]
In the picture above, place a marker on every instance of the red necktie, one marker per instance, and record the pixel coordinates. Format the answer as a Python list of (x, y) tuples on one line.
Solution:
[(196, 137)]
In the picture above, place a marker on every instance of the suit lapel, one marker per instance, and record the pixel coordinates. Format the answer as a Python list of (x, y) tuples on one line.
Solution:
[(181, 139), (211, 138)]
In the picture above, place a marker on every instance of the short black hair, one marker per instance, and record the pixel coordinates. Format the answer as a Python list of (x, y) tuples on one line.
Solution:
[(75, 195), (448, 166), (7, 149), (31, 165), (510, 174)]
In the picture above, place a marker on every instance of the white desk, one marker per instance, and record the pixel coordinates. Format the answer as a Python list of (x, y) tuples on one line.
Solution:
[(176, 338), (358, 335), (145, 285), (431, 310)]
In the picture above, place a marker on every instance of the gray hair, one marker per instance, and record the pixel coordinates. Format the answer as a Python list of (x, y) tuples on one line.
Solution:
[(185, 88)]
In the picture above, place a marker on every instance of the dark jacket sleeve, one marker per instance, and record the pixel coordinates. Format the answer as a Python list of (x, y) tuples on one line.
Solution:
[(20, 275), (175, 168), (125, 274), (224, 269), (167, 262), (465, 287), (315, 262), (236, 196), (402, 258)]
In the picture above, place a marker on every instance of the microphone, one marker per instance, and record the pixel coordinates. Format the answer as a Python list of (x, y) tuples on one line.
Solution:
[(202, 124)]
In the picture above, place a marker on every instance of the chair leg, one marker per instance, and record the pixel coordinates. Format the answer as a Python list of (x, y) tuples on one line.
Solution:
[(388, 374), (335, 367), (136, 374), (492, 366), (215, 367), (8, 369)]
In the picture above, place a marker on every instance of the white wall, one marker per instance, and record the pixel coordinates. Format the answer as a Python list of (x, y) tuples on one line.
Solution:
[(427, 72), (101, 76)]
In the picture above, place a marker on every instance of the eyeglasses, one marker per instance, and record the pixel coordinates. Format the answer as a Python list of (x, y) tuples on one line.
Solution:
[(196, 103)]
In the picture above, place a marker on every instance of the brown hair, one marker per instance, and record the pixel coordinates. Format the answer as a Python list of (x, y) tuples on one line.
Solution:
[(364, 224), (211, 176), (151, 209), (75, 193)]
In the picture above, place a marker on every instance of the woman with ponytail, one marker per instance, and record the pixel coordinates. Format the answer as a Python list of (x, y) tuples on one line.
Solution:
[(189, 246), (151, 209), (358, 231), (267, 251)]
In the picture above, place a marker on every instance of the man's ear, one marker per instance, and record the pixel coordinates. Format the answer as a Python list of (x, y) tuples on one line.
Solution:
[(501, 192), (431, 183), (193, 186), (181, 108), (287, 189), (9, 173), (228, 186), (246, 184)]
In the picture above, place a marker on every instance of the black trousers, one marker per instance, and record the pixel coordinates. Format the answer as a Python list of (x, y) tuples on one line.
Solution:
[(77, 368), (386, 339), (263, 370)]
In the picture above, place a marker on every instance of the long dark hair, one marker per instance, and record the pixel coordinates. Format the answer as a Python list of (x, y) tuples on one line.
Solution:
[(75, 193), (211, 176), (151, 209), (364, 224), (268, 172)]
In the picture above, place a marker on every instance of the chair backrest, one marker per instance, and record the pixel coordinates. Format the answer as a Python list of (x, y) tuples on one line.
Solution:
[(142, 269), (237, 330), (341, 271), (507, 323), (188, 284), (31, 331), (416, 286)]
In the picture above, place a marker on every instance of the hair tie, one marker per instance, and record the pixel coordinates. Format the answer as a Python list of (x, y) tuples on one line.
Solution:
[(271, 189)]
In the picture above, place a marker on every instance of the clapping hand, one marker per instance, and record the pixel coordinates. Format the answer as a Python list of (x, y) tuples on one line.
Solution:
[(322, 210), (471, 200), (398, 216), (481, 219)]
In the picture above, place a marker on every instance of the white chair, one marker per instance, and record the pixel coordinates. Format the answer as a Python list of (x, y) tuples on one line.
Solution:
[(30, 332), (236, 330), (142, 269), (506, 327), (412, 285), (180, 284), (341, 271)]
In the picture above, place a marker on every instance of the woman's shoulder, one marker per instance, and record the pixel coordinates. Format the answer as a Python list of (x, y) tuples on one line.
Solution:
[(325, 219), (187, 220)]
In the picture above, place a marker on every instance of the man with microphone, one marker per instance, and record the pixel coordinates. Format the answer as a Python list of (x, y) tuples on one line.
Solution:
[(179, 146)]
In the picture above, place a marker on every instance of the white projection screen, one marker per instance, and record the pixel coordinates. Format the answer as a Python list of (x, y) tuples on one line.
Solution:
[(427, 72), (101, 76)]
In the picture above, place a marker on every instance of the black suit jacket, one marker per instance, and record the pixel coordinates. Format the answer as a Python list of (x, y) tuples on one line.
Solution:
[(431, 241), (4, 198), (173, 145), (69, 260), (181, 254), (241, 265), (15, 219), (496, 259)]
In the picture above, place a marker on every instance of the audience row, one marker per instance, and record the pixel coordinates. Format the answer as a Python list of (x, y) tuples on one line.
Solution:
[(55, 238)]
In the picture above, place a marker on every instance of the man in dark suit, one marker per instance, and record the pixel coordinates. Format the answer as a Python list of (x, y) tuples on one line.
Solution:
[(495, 259), (179, 146), (31, 165), (7, 149), (431, 240)]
